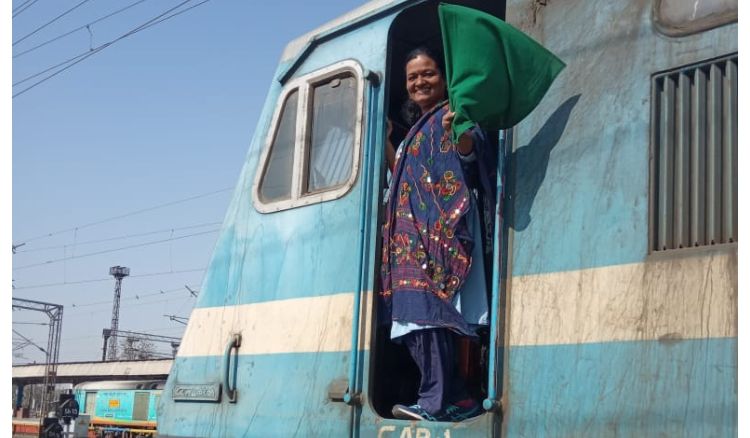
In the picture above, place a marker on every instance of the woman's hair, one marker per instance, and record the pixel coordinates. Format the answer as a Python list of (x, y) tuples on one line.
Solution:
[(410, 111), (425, 51)]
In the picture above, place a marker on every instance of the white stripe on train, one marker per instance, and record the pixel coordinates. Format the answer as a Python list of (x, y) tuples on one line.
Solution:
[(689, 297)]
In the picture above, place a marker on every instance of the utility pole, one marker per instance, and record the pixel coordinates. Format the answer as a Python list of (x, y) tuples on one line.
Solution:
[(119, 272), (52, 352)]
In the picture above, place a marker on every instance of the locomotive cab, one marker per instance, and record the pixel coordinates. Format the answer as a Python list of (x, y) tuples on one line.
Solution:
[(609, 318)]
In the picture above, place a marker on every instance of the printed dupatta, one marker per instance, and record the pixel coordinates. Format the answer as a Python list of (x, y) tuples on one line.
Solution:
[(426, 253)]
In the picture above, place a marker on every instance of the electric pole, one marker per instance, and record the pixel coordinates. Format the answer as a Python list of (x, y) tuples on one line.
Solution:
[(119, 272)]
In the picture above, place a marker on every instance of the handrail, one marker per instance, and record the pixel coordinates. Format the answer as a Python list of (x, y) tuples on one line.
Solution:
[(234, 344), (351, 397), (491, 402)]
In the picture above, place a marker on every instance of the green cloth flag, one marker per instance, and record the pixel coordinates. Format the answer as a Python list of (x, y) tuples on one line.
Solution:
[(496, 74)]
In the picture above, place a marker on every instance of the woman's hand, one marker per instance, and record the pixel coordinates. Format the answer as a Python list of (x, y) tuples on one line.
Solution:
[(465, 143), (390, 151), (448, 120)]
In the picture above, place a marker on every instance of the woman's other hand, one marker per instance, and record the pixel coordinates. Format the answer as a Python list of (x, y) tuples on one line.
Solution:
[(390, 151), (448, 120), (465, 143)]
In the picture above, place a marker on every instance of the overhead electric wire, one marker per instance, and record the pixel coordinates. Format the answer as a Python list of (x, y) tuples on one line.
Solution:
[(31, 3), (67, 61), (154, 21), (136, 297), (37, 286), (121, 216), (164, 329), (109, 239), (79, 28), (84, 55), (122, 306), (22, 5), (96, 280), (29, 341), (138, 245), (51, 21), (168, 272)]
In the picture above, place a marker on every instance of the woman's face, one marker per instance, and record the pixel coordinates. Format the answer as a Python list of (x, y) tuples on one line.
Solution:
[(424, 83)]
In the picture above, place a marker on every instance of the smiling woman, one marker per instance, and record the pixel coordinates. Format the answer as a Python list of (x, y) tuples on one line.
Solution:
[(434, 285), (424, 79)]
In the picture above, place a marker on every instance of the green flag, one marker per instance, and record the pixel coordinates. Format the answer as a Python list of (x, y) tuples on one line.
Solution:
[(496, 74)]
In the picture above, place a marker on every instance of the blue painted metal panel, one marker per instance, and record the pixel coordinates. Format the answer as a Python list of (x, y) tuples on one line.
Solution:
[(279, 395), (81, 399), (116, 404), (259, 257), (303, 252), (581, 158), (153, 404), (125, 411), (624, 389)]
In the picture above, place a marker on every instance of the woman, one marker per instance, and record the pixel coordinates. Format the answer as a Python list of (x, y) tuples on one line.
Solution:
[(433, 277)]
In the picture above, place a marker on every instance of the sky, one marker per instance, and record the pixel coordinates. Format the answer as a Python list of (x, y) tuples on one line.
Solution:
[(129, 157)]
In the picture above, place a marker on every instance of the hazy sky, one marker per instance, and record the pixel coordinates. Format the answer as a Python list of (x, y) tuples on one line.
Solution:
[(163, 115)]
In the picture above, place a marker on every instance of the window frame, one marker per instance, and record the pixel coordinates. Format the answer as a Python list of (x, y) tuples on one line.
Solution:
[(674, 29), (305, 86)]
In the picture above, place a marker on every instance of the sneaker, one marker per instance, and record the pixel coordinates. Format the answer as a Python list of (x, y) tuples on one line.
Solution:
[(413, 412), (460, 411)]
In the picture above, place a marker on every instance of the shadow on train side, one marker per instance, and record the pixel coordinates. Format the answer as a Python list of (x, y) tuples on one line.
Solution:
[(532, 159)]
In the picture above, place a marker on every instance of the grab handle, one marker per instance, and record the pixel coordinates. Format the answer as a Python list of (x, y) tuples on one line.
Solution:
[(352, 396), (234, 344), (492, 403)]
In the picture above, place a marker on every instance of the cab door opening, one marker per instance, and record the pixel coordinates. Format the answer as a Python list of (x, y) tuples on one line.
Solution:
[(394, 375)]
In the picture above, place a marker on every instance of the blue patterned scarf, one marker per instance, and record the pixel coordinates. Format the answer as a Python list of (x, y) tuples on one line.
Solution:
[(426, 253)]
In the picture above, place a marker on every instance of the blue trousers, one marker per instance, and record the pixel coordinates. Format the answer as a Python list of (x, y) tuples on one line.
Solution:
[(434, 352)]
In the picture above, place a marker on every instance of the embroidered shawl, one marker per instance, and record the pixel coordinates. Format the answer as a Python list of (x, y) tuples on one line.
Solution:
[(426, 252)]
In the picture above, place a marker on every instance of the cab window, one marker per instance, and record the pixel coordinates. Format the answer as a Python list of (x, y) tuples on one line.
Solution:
[(312, 151), (277, 181)]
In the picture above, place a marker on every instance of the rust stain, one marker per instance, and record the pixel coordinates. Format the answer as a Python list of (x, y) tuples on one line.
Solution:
[(670, 338)]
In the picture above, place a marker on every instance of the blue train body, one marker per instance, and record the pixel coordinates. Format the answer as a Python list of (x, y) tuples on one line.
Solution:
[(612, 316), (124, 405)]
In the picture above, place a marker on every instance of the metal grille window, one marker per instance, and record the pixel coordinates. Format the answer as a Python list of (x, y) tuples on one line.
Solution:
[(694, 156)]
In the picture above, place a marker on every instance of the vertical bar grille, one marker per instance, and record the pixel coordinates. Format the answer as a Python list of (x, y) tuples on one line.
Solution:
[(694, 174)]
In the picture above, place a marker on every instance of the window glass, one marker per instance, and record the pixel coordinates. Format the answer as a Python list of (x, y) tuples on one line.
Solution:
[(90, 403), (333, 127), (277, 179)]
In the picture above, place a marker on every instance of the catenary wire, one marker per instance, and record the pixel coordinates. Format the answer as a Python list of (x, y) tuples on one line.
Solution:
[(51, 21), (122, 305), (154, 21), (124, 215), (109, 239), (153, 242), (30, 4), (123, 9), (96, 280), (22, 5)]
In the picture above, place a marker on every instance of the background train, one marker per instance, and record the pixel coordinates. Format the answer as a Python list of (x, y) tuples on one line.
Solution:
[(120, 408)]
